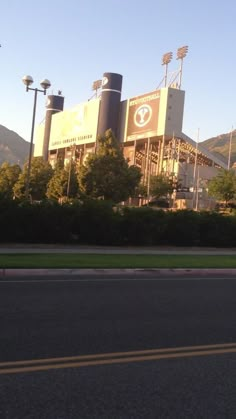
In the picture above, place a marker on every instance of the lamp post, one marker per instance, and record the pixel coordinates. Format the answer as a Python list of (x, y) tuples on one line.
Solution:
[(45, 84), (72, 157)]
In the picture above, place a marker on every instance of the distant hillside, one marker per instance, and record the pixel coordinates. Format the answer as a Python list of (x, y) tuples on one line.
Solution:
[(219, 146), (13, 148)]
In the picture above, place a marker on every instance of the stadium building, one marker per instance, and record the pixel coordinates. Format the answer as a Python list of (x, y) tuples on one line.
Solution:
[(148, 127)]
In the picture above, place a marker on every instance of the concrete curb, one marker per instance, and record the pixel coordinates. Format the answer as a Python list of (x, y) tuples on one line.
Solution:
[(111, 273)]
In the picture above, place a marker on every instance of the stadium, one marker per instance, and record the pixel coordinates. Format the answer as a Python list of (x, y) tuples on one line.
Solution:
[(148, 127)]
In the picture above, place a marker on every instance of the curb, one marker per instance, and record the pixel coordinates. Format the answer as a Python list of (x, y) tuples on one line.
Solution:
[(111, 273)]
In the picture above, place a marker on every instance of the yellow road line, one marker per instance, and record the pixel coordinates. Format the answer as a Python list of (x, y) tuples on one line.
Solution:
[(117, 354), (115, 358)]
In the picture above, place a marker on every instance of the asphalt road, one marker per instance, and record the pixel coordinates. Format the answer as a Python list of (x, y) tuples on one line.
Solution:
[(180, 322)]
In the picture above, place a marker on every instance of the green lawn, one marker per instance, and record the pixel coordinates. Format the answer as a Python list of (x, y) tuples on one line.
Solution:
[(115, 261)]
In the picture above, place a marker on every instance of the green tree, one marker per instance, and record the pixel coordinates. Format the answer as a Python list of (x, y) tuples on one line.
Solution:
[(63, 184), (141, 191), (107, 174), (40, 174), (160, 186), (9, 175), (223, 186)]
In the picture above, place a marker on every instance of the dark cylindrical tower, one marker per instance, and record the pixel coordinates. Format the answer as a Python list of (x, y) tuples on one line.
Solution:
[(110, 103), (55, 103)]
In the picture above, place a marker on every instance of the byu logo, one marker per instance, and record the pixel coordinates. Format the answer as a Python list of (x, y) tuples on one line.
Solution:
[(104, 81), (142, 115)]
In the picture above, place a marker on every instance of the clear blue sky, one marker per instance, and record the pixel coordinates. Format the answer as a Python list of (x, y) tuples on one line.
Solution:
[(73, 42)]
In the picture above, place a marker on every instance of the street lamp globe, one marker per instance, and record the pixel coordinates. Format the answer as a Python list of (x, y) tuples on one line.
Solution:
[(45, 84), (27, 80)]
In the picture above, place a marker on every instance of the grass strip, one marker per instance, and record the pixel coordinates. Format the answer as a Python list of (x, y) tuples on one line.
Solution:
[(73, 261)]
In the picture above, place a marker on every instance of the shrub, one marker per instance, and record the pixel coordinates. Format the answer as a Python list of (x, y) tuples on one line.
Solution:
[(217, 230), (183, 228), (143, 226)]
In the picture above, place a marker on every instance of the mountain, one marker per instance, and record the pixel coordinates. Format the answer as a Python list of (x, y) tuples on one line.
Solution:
[(220, 145), (13, 148)]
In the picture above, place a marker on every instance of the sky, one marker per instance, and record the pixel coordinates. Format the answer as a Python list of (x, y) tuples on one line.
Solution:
[(72, 43)]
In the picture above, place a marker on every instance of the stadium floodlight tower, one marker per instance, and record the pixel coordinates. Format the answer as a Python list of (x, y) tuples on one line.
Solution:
[(45, 84), (166, 59), (97, 84), (181, 54)]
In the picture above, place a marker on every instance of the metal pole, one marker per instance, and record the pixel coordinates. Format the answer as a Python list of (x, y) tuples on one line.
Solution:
[(230, 146), (149, 170), (158, 156), (194, 170), (69, 174), (31, 145), (161, 155), (180, 72), (166, 72), (173, 153), (146, 162), (134, 158), (196, 206)]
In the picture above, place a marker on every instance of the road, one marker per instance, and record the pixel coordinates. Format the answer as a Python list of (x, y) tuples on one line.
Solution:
[(128, 349)]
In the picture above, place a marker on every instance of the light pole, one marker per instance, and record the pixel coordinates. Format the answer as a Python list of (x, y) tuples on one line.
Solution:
[(230, 147), (181, 54), (97, 84), (45, 84), (166, 59), (72, 156), (195, 174)]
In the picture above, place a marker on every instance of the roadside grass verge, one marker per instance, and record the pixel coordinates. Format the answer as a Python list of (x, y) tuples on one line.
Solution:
[(105, 261)]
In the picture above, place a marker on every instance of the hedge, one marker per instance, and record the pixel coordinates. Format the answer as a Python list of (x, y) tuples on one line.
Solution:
[(98, 223)]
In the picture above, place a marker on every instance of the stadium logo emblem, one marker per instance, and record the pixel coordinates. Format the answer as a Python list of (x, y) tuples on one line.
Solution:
[(142, 115), (104, 81)]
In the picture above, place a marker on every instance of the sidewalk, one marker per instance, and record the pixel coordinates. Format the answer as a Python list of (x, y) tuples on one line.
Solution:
[(159, 250), (115, 273)]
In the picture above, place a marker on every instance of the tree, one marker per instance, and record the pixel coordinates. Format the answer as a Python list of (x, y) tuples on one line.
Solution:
[(107, 174), (40, 174), (9, 175), (223, 186), (141, 191), (63, 184), (160, 186)]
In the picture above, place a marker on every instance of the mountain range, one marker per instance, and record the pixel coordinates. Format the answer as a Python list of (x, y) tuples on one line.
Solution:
[(14, 149), (221, 148)]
